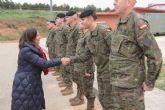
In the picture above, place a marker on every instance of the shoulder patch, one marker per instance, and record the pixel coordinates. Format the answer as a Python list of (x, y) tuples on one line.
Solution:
[(142, 24), (143, 27), (109, 29)]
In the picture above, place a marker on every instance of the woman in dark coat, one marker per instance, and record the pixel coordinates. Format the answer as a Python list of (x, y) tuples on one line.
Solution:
[(27, 91)]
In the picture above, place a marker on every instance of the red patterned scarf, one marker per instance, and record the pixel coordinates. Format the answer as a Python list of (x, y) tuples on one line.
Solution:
[(45, 70)]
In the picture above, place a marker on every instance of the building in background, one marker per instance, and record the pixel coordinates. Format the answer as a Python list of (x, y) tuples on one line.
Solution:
[(155, 14)]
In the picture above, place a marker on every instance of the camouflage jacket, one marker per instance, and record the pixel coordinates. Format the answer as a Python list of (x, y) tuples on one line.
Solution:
[(50, 38), (72, 40), (97, 46), (88, 66), (133, 42), (60, 41)]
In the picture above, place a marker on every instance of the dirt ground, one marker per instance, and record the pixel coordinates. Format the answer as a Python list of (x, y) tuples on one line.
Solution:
[(14, 28)]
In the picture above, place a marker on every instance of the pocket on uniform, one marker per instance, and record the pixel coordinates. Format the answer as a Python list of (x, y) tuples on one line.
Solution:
[(116, 43), (127, 46), (102, 47), (123, 49)]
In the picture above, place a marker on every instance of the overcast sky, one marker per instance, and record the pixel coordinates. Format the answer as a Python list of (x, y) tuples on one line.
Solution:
[(98, 3)]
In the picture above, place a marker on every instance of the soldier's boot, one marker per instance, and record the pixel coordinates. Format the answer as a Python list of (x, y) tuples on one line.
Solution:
[(74, 98), (90, 104), (64, 89), (59, 78), (77, 96), (77, 101), (67, 91), (61, 84)]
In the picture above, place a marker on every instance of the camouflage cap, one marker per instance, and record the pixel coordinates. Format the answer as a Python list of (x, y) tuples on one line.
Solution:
[(87, 13), (60, 15), (70, 13), (51, 21)]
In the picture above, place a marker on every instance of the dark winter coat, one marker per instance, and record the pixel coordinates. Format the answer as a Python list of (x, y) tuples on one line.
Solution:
[(27, 91)]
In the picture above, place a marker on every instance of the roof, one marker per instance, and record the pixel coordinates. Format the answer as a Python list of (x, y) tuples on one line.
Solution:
[(156, 5), (151, 9), (148, 10), (111, 13)]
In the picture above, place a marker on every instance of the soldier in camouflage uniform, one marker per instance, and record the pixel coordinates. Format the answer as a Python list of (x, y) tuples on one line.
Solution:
[(85, 74), (50, 43), (97, 45), (71, 20), (133, 42), (60, 40), (50, 27)]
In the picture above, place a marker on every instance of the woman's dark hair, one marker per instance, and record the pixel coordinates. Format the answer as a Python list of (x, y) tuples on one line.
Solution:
[(27, 36)]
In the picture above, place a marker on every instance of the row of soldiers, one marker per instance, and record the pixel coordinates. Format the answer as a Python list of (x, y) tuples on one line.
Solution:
[(67, 38), (120, 57)]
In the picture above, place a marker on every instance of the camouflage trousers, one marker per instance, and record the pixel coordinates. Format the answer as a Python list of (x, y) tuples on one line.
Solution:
[(51, 52), (85, 85), (104, 89), (66, 78), (69, 70), (127, 99), (57, 68), (76, 77)]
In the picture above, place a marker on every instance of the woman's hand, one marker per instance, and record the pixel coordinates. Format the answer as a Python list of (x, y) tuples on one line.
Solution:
[(65, 61)]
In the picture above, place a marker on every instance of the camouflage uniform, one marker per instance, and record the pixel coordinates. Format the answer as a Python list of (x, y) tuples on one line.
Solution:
[(60, 46), (132, 43), (70, 51), (49, 43), (85, 84), (97, 46)]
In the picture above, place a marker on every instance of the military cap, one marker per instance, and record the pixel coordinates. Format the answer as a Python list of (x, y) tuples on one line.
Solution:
[(51, 21), (87, 13), (60, 15), (70, 13)]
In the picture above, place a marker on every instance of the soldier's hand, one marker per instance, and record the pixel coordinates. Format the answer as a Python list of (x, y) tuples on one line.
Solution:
[(146, 87), (65, 61), (87, 75)]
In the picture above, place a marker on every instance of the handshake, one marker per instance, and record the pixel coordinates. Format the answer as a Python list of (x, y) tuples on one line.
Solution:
[(65, 61)]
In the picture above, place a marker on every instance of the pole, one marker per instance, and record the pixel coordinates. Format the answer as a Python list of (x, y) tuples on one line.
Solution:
[(51, 9)]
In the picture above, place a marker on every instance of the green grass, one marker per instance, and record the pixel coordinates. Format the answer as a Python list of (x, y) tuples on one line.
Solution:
[(160, 83), (22, 14)]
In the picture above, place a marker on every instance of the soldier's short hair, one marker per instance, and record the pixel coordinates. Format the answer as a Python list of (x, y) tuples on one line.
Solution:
[(87, 13), (71, 13)]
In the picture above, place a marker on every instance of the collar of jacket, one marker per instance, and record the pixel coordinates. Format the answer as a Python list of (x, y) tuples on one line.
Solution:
[(61, 28), (32, 47), (74, 27), (52, 30), (122, 21), (95, 32)]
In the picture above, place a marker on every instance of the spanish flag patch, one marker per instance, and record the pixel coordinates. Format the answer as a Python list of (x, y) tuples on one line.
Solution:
[(143, 26)]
